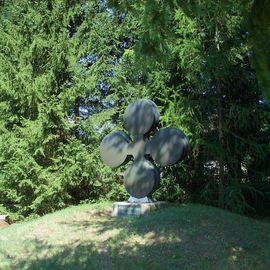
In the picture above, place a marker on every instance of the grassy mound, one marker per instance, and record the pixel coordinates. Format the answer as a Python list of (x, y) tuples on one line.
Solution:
[(180, 237)]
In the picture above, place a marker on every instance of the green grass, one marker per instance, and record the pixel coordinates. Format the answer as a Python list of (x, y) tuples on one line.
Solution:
[(180, 237)]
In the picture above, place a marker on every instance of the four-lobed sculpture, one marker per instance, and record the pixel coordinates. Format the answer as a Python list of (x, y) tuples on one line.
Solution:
[(167, 147)]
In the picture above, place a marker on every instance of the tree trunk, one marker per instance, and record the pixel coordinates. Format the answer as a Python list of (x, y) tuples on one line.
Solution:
[(221, 154)]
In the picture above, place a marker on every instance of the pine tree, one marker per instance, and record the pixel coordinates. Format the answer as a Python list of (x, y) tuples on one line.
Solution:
[(63, 78), (207, 87)]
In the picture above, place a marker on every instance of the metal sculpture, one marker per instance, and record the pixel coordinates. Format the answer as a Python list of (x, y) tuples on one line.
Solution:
[(167, 147)]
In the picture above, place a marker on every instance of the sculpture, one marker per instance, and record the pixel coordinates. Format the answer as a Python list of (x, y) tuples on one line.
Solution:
[(167, 147)]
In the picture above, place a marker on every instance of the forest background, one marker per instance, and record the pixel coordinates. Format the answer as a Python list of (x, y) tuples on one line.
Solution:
[(68, 69)]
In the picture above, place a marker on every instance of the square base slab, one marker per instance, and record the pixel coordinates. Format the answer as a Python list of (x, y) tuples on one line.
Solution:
[(121, 209)]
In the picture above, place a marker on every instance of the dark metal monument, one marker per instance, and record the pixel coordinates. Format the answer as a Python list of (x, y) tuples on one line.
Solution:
[(166, 147)]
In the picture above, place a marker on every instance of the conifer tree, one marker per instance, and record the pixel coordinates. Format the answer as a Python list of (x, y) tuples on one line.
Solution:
[(207, 86), (62, 78)]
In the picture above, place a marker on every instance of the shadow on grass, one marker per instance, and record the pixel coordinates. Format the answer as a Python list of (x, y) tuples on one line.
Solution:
[(168, 239), (82, 256), (87, 257)]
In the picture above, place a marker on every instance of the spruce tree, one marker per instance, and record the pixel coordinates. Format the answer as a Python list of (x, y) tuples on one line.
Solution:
[(63, 79), (207, 87)]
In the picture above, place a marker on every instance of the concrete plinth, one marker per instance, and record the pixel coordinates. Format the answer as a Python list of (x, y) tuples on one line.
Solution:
[(121, 209)]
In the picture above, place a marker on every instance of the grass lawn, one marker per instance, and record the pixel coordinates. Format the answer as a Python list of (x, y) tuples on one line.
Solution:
[(180, 237)]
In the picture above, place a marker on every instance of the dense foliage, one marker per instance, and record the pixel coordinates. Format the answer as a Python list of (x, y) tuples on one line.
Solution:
[(69, 68), (61, 62)]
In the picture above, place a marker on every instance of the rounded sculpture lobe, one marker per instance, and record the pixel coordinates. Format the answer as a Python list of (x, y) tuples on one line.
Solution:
[(168, 146), (113, 149), (141, 178), (141, 117)]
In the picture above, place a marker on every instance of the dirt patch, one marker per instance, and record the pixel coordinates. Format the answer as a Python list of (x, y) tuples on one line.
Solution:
[(3, 224)]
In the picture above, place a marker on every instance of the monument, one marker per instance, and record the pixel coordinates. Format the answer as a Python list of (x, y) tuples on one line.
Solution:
[(141, 179)]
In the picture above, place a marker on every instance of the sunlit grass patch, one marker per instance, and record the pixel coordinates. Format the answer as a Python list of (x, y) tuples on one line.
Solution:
[(180, 237)]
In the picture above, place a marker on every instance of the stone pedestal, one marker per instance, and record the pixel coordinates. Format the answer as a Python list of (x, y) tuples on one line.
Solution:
[(121, 209)]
